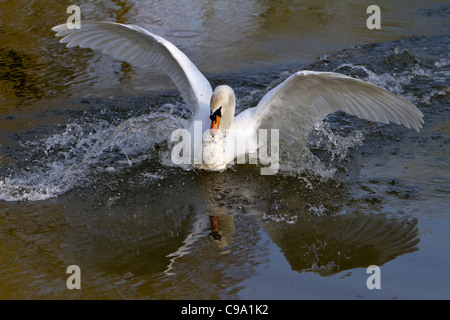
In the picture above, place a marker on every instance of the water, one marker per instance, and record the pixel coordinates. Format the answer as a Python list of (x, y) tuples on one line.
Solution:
[(86, 177)]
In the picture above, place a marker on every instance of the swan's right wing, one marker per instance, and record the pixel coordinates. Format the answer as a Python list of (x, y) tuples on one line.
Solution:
[(301, 100), (140, 47)]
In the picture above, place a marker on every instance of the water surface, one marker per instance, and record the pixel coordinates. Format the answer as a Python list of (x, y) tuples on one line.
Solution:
[(86, 176)]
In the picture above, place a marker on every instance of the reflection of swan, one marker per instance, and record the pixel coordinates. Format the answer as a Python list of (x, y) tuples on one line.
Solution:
[(292, 107), (333, 244)]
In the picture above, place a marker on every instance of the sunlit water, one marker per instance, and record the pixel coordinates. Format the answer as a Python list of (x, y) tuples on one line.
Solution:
[(86, 177)]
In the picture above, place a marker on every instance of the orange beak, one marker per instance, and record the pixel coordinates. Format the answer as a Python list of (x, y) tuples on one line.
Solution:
[(215, 124)]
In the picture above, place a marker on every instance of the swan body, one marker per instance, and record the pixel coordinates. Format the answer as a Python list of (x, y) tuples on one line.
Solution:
[(292, 107)]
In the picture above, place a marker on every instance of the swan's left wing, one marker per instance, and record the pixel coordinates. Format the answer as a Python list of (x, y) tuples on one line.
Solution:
[(140, 47), (295, 105)]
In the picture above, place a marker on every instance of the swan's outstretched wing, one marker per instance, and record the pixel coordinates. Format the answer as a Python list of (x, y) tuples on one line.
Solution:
[(305, 97), (139, 47)]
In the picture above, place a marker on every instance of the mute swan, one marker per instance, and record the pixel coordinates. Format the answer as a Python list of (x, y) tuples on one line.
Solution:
[(293, 106)]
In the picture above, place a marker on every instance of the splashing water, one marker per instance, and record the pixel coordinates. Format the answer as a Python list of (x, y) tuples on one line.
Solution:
[(65, 160), (334, 143), (56, 164), (68, 158)]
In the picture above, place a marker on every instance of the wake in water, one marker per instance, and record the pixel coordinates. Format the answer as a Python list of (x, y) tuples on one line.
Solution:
[(70, 158), (61, 161), (67, 159)]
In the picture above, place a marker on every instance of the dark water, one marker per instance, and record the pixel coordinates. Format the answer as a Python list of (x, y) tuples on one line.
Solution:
[(86, 177)]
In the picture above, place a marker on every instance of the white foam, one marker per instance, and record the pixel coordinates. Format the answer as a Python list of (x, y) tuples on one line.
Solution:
[(318, 211), (66, 159), (280, 218)]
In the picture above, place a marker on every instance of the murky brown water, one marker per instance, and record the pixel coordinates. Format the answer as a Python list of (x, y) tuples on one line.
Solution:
[(72, 121)]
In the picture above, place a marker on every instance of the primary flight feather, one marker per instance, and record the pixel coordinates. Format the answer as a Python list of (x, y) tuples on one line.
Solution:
[(292, 107)]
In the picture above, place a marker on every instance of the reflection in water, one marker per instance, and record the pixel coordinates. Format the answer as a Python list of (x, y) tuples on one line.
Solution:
[(324, 243), (157, 243), (143, 230), (327, 245), (219, 36), (14, 80), (307, 231)]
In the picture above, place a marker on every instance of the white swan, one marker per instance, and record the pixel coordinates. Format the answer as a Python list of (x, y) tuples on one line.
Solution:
[(293, 107)]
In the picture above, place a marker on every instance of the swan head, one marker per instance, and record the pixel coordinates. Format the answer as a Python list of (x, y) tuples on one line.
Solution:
[(223, 104)]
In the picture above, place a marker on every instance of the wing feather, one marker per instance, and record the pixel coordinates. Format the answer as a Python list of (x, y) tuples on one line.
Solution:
[(307, 96), (140, 47)]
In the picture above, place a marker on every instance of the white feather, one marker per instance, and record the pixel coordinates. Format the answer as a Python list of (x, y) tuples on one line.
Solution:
[(293, 107), (139, 47), (307, 96)]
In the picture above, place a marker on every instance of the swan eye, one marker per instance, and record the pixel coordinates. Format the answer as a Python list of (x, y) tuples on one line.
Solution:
[(216, 113)]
